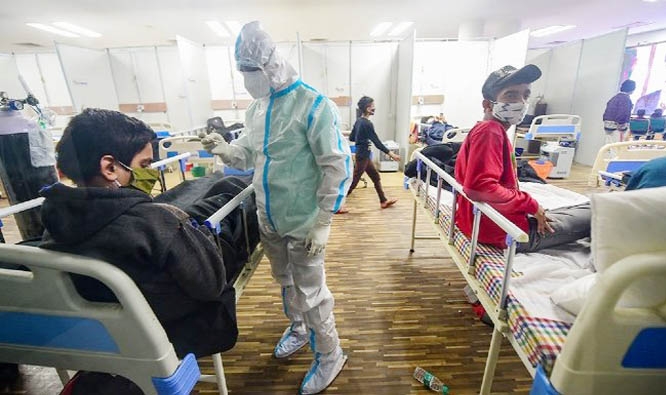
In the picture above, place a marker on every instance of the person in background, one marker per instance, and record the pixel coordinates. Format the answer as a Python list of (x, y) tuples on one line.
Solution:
[(302, 170), (656, 123), (486, 169), (363, 133), (617, 113)]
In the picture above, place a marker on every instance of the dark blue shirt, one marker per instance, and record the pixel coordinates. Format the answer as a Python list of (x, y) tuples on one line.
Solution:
[(362, 133)]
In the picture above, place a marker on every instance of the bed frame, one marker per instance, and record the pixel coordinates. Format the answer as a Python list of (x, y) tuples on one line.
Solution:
[(598, 314), (142, 353), (624, 156)]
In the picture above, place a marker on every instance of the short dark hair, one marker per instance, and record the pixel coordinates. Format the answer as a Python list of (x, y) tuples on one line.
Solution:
[(363, 104), (628, 86), (94, 133), (640, 112)]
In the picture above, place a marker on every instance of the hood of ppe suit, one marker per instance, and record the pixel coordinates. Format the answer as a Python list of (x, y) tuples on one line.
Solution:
[(256, 50)]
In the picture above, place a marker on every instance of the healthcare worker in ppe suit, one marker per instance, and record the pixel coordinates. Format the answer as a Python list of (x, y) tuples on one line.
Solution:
[(302, 171)]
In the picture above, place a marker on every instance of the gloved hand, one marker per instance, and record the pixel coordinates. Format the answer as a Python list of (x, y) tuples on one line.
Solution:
[(213, 143), (317, 237)]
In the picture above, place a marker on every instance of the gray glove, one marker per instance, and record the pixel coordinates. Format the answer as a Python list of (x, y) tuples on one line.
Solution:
[(317, 237), (214, 143)]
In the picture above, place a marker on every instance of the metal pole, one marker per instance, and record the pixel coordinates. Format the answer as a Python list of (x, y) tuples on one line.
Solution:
[(163, 187), (411, 250), (439, 195), (247, 234), (491, 362), (427, 186), (419, 164), (508, 268), (452, 224), (475, 239)]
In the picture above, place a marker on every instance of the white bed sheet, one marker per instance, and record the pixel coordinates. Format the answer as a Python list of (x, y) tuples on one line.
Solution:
[(548, 270), (544, 272), (549, 196)]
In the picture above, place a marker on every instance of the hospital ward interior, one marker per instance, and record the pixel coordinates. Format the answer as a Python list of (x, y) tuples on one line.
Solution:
[(338, 197)]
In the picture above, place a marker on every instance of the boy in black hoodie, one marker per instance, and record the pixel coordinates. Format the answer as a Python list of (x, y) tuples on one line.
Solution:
[(110, 216)]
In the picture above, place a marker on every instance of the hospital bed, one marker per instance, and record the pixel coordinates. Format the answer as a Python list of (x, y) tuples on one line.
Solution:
[(47, 323), (621, 157), (555, 352), (176, 145)]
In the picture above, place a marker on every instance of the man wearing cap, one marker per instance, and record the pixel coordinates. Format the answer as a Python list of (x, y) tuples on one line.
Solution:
[(486, 168)]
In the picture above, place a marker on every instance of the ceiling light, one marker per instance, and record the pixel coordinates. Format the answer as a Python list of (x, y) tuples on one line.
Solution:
[(398, 30), (650, 1), (52, 29), (551, 30), (233, 26), (380, 29), (218, 28), (77, 29)]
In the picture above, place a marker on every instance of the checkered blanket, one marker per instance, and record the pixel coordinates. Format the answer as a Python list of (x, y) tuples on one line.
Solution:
[(540, 339)]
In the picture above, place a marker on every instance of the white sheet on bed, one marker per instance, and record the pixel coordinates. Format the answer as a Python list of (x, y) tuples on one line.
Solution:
[(544, 272), (548, 270), (549, 196)]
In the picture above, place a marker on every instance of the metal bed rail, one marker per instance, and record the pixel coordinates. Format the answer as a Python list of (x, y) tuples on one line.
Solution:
[(514, 235)]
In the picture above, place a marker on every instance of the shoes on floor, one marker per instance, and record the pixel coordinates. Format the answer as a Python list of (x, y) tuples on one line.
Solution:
[(290, 342), (323, 370)]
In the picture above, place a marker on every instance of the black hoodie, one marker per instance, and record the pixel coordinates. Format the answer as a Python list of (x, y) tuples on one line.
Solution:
[(175, 264)]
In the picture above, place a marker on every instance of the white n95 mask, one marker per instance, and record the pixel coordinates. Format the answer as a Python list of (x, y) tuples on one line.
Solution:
[(257, 84), (511, 113)]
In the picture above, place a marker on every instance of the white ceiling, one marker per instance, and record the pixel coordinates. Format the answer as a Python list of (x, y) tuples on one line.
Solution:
[(156, 22)]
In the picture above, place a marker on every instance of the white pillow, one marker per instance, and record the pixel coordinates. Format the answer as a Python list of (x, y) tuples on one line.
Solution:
[(572, 296), (625, 224)]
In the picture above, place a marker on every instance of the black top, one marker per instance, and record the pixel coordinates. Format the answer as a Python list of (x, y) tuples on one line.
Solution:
[(362, 133), (176, 265)]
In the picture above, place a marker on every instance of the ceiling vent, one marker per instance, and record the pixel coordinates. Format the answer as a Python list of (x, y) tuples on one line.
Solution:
[(29, 45), (556, 42)]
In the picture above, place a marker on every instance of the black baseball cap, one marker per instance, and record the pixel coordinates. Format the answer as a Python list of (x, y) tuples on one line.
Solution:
[(506, 76)]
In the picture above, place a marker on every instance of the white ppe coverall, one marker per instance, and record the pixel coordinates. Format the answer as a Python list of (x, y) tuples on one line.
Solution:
[(302, 174)]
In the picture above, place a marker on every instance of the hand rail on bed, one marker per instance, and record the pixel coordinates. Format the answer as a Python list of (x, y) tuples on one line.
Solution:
[(19, 208), (189, 132), (514, 233), (161, 166), (213, 222), (509, 227)]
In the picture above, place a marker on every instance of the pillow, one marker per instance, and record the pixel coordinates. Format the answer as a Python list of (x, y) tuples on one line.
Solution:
[(625, 224), (572, 296)]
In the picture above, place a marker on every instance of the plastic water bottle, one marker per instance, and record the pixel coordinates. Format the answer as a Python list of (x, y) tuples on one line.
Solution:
[(429, 381)]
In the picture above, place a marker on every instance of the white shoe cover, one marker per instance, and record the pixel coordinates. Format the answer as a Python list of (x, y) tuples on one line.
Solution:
[(290, 342), (323, 370)]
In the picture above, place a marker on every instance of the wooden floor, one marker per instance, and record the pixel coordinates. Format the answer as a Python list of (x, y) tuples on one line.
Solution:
[(394, 311)]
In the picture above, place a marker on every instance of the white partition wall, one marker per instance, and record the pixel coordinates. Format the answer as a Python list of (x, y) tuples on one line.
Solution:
[(88, 76), (221, 75), (598, 78), (541, 59), (509, 50), (456, 70), (175, 93), (54, 80), (561, 78), (29, 70), (404, 93), (195, 72), (326, 67), (9, 81), (374, 73), (138, 82)]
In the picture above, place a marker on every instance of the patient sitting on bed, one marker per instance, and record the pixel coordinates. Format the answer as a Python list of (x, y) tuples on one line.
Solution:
[(111, 216), (486, 168)]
